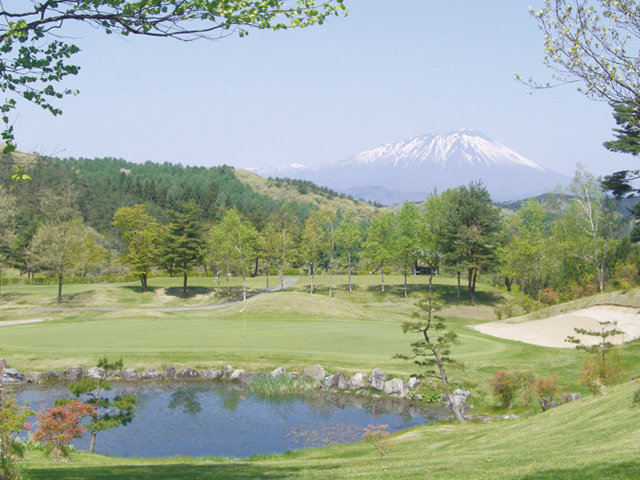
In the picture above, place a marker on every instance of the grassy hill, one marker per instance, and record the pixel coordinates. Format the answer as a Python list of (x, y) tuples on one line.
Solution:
[(305, 193)]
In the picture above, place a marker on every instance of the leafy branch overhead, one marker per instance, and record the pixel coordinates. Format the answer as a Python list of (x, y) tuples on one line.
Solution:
[(34, 59)]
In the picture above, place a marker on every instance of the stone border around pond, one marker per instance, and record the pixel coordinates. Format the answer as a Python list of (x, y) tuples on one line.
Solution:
[(375, 382)]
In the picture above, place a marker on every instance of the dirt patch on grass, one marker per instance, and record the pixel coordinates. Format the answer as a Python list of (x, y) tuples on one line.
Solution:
[(552, 331)]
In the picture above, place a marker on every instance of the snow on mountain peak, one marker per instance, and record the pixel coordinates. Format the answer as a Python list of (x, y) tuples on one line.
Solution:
[(461, 147)]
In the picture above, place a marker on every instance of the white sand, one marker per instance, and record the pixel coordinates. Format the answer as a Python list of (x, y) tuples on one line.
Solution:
[(552, 332), (20, 322)]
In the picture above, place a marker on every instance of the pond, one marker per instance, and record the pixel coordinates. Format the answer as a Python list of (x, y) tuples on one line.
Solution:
[(226, 420)]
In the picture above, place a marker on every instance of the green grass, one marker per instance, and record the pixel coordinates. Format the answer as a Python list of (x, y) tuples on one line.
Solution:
[(594, 438)]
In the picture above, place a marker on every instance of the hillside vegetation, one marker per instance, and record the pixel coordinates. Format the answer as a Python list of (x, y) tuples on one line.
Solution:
[(305, 193)]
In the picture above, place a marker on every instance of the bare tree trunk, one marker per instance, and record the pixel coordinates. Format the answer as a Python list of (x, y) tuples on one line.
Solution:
[(92, 442), (244, 285), (218, 289), (313, 274), (60, 288), (382, 277), (430, 281), (184, 284), (405, 281), (268, 272), (349, 255), (282, 278), (458, 294)]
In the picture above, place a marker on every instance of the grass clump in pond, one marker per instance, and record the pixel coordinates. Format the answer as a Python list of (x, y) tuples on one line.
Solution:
[(269, 385)]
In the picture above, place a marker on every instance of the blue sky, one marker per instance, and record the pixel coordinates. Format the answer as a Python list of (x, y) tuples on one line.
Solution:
[(386, 72)]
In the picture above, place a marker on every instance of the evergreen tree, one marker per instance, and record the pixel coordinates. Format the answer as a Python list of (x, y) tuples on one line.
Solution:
[(182, 244)]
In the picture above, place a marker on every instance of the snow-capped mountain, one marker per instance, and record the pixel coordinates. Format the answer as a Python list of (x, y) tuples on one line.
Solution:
[(412, 169)]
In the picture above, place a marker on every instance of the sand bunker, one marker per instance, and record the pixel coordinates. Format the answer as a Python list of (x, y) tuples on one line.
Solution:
[(552, 332)]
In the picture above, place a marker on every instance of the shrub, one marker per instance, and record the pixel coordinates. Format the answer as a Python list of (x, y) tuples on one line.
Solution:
[(378, 436), (636, 398), (12, 422), (546, 389), (507, 385), (61, 424), (595, 375), (549, 296)]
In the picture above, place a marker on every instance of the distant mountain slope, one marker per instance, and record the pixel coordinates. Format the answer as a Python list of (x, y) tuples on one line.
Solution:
[(412, 169), (305, 193)]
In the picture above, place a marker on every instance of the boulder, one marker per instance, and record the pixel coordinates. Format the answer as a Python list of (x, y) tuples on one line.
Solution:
[(50, 376), (35, 377), (359, 380), (547, 403), (413, 383), (188, 374), (152, 374), (95, 373), (11, 375), (73, 374), (129, 375), (237, 375), (377, 379), (170, 372), (396, 387), (316, 372), (3, 364), (228, 370), (338, 381), (212, 375), (278, 371), (570, 397)]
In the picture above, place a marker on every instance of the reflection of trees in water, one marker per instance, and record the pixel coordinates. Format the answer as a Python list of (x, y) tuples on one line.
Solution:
[(187, 399)]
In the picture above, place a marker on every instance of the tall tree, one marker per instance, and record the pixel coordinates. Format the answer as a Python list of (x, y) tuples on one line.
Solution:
[(241, 236), (140, 233), (269, 246), (35, 50), (182, 245), (315, 240), (61, 249), (472, 232), (593, 43), (407, 238), (378, 247), (288, 227), (594, 214), (349, 238), (7, 225), (525, 255)]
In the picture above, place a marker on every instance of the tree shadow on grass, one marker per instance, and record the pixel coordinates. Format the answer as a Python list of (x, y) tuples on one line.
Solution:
[(191, 291), (138, 288), (237, 471), (447, 292)]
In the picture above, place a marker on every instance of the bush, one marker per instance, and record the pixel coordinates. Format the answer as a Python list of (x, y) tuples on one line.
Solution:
[(549, 296), (507, 385), (61, 424), (546, 389), (12, 422), (595, 376), (378, 436), (636, 398), (291, 271)]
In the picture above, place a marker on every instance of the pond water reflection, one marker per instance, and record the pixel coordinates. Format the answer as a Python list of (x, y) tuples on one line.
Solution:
[(225, 420)]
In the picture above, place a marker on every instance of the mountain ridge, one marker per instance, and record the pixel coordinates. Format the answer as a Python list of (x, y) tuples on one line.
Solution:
[(408, 169)]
